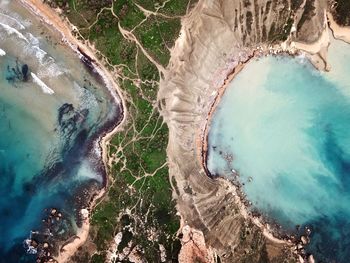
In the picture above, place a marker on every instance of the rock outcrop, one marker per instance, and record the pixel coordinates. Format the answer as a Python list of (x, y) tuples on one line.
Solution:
[(216, 37)]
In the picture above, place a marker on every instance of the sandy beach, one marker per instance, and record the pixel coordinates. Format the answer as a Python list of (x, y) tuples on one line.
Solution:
[(52, 18)]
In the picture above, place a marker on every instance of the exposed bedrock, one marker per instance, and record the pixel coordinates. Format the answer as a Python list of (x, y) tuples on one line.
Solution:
[(215, 37)]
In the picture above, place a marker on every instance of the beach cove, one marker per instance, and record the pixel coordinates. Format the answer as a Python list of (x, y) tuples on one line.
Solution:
[(211, 203), (282, 136), (56, 103)]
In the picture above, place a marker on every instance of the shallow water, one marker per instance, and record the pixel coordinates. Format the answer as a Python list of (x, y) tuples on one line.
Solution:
[(52, 111), (284, 128)]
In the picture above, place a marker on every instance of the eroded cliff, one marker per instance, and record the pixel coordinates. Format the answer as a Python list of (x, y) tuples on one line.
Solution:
[(217, 37)]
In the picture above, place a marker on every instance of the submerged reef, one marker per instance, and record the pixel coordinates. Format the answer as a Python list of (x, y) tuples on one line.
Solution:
[(169, 88), (122, 225), (53, 114), (69, 119), (18, 72)]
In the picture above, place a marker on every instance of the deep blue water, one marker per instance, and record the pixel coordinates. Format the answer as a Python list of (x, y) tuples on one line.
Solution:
[(52, 111), (287, 134)]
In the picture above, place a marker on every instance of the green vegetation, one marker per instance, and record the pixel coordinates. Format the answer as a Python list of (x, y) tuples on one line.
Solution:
[(341, 12), (280, 32), (139, 203)]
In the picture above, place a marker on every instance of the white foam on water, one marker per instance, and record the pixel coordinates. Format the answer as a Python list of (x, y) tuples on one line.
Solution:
[(32, 39), (41, 84), (86, 171), (97, 148), (11, 30), (50, 69), (2, 52), (11, 21), (109, 84), (33, 49), (48, 66), (302, 59), (39, 53)]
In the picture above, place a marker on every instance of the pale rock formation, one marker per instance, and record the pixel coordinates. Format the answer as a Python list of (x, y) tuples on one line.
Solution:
[(194, 249), (216, 37)]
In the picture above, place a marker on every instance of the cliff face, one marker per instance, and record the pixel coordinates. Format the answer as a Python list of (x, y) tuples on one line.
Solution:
[(309, 20), (215, 37)]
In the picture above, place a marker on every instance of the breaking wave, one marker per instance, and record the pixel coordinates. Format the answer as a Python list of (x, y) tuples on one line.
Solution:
[(10, 31), (11, 21), (41, 84)]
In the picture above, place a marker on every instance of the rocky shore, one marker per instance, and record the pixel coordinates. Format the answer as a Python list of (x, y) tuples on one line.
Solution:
[(99, 144), (216, 41)]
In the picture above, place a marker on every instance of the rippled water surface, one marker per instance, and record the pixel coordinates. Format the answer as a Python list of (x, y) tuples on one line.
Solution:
[(52, 110), (284, 128)]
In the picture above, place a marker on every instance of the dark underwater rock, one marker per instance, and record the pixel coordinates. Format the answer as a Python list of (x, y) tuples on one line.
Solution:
[(25, 70), (65, 109), (70, 119), (17, 73)]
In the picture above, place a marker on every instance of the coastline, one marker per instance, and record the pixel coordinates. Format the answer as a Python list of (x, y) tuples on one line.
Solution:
[(314, 51), (203, 140), (103, 142), (339, 32), (320, 45), (270, 230), (50, 17), (317, 55), (204, 54)]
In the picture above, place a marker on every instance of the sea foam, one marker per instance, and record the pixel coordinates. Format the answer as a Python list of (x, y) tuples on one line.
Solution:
[(42, 85), (11, 21), (10, 30)]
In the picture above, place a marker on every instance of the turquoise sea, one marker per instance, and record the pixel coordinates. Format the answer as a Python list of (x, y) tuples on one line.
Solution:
[(284, 128), (53, 110)]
